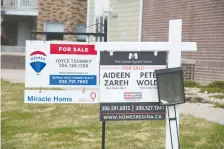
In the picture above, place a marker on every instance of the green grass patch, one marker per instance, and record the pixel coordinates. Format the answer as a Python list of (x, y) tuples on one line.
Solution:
[(201, 100), (215, 104), (212, 90), (214, 87), (218, 96), (15, 115), (192, 84), (218, 105), (77, 126), (217, 84)]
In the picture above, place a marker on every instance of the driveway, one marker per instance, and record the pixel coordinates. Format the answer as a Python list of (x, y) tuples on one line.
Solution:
[(13, 75)]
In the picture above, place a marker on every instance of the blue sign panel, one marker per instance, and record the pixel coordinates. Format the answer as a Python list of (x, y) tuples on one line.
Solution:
[(72, 79)]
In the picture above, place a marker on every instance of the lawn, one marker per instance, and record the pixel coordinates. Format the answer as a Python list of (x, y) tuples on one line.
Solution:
[(76, 126)]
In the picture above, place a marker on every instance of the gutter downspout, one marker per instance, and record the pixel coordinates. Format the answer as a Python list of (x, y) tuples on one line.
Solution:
[(87, 18), (140, 21)]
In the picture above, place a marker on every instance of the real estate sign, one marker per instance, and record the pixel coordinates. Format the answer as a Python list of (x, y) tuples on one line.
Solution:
[(128, 87), (60, 96), (61, 64)]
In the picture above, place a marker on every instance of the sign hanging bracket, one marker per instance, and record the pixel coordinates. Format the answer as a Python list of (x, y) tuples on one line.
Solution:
[(155, 53), (111, 53)]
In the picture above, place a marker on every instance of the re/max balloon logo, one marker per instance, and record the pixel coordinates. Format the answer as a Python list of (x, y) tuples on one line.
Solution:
[(38, 61)]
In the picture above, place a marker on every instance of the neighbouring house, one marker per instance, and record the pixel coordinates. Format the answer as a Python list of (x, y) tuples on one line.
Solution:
[(203, 22), (148, 20), (96, 14), (18, 20), (123, 18), (21, 17)]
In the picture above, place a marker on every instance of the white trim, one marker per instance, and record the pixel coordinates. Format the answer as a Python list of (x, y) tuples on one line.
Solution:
[(94, 19), (14, 53), (94, 22), (140, 21), (87, 20), (21, 12), (143, 46)]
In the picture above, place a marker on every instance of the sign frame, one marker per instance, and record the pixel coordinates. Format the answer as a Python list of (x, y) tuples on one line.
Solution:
[(174, 46), (128, 79), (118, 73)]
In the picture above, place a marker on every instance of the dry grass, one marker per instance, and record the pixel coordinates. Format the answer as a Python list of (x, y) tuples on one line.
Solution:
[(74, 126), (221, 97)]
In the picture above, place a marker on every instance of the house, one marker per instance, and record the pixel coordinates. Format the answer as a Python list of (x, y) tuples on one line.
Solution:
[(203, 22), (148, 20), (21, 17), (18, 20), (123, 16)]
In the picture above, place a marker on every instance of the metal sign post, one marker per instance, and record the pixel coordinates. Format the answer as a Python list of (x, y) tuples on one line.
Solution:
[(171, 91), (104, 122)]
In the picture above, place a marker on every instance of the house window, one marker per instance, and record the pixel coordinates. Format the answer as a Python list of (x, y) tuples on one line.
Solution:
[(54, 27), (81, 28)]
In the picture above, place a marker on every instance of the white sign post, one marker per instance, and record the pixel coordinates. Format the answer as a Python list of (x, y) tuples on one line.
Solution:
[(174, 47)]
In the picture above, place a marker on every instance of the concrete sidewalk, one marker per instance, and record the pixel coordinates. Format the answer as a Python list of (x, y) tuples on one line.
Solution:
[(202, 110), (13, 75)]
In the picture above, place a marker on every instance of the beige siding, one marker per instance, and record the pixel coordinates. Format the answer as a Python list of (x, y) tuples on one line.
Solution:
[(124, 20), (91, 15)]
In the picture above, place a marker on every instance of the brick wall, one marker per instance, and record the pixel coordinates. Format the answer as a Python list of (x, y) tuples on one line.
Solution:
[(70, 12), (203, 22)]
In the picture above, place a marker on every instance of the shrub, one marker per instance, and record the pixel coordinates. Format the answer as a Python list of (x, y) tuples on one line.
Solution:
[(217, 84), (219, 105), (191, 84), (218, 96)]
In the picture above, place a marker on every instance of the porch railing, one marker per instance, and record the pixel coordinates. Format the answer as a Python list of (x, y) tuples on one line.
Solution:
[(20, 4)]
